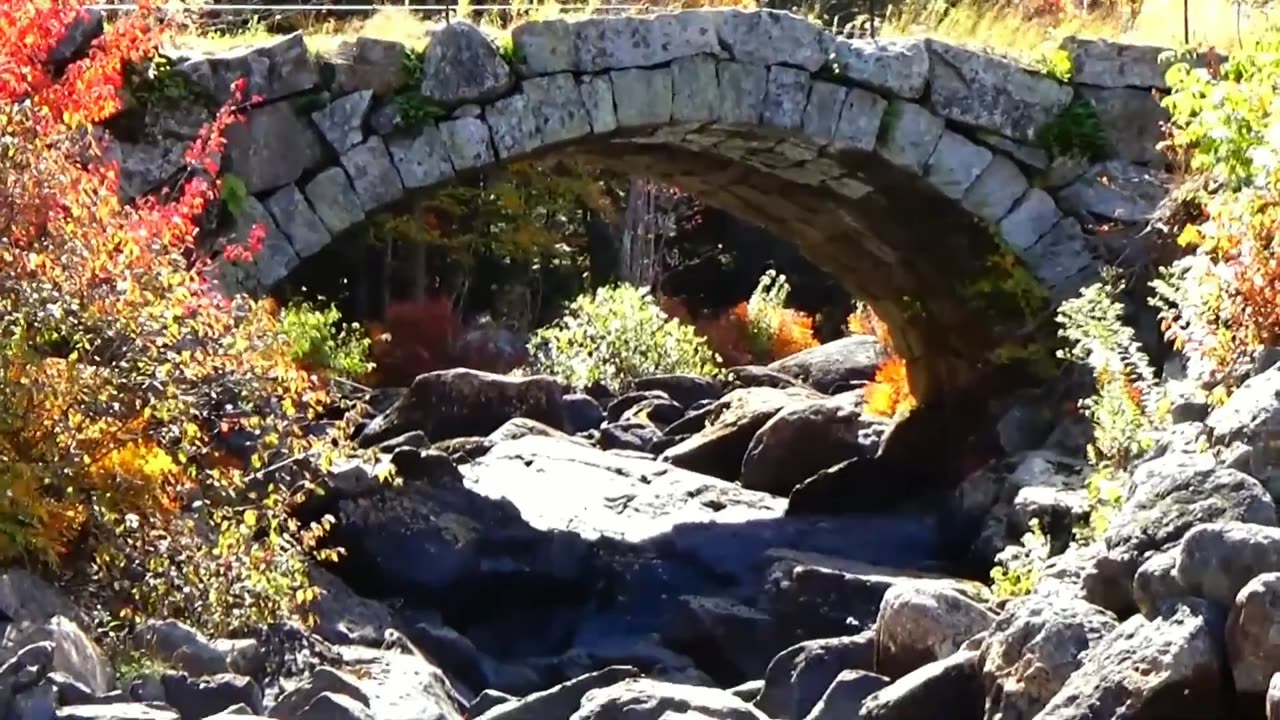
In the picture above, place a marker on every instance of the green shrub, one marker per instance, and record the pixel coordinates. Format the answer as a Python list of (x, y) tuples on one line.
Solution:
[(616, 335), (323, 343), (1018, 567)]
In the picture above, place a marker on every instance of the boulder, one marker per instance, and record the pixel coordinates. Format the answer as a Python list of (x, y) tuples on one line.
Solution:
[(1110, 64), (845, 697), (631, 435), (954, 683), (198, 698), (1033, 648), (342, 617), (805, 439), (754, 376), (1166, 668), (798, 677), (645, 699), (920, 624), (847, 360), (462, 65), (1156, 582), (624, 403), (813, 596), (274, 70), (114, 711), (1115, 190), (322, 680), (74, 652), (178, 645), (1252, 627), (451, 651), (272, 147), (658, 412), (488, 700), (683, 389), (563, 700), (728, 640), (1216, 560), (403, 686), (462, 402), (982, 90), (718, 449), (1132, 121), (1169, 496), (1250, 417), (334, 706), (581, 413), (367, 64), (899, 67)]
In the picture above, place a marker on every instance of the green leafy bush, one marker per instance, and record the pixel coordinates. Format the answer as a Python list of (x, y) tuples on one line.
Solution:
[(616, 335), (323, 343)]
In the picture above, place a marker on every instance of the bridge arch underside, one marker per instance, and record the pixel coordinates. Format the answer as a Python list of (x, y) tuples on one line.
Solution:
[(898, 167)]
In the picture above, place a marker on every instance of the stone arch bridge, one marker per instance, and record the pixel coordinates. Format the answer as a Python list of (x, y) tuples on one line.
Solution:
[(909, 169)]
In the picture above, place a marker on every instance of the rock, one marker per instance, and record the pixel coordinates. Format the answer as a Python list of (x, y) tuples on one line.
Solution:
[(458, 403), (909, 135), (114, 711), (623, 403), (632, 435), (245, 656), (519, 427), (342, 121), (898, 67), (323, 680), (173, 643), (1251, 629), (334, 200), (1116, 190), (26, 597), (333, 706), (797, 678), (345, 618), (804, 439), (719, 448), (1033, 648), (25, 669), (1250, 417), (813, 596), (955, 164), (35, 703), (847, 360), (488, 700), (373, 176), (642, 97), (601, 43), (451, 651), (1169, 496), (272, 147), (1031, 218), (785, 98), (1113, 65), (845, 697), (562, 700), (751, 376), (368, 64), (1132, 121), (994, 192), (1166, 668), (769, 37), (581, 413), (990, 92), (730, 641), (1156, 583), (1273, 698), (273, 71), (685, 390), (403, 686), (145, 167), (198, 698), (463, 66), (658, 412), (954, 683), (422, 159), (74, 652), (918, 625), (76, 37), (644, 699), (295, 218), (1216, 560), (513, 126)]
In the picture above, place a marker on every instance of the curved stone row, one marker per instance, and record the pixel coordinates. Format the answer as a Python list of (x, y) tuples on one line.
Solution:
[(892, 140)]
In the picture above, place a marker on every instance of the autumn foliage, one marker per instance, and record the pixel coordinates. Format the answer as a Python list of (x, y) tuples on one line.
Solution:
[(130, 388), (889, 394)]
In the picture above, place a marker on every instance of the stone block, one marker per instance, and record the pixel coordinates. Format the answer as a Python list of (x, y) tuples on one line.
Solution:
[(695, 89), (642, 97), (468, 143), (272, 147), (773, 37), (1062, 253), (334, 200), (822, 113), (462, 65), (898, 67), (298, 221), (543, 46), (372, 174), (785, 97), (616, 43), (908, 135), (995, 191), (597, 96), (556, 104), (1031, 217), (367, 64), (742, 91), (955, 164), (422, 158), (515, 132), (342, 121)]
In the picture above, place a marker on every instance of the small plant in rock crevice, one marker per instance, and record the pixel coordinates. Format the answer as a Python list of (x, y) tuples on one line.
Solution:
[(415, 110), (1076, 132), (155, 83), (1017, 568), (1054, 62), (234, 193)]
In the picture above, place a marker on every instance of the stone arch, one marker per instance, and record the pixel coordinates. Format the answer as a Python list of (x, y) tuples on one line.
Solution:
[(901, 167)]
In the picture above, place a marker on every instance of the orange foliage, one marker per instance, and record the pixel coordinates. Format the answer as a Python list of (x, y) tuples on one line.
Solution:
[(889, 394), (793, 333), (739, 341), (123, 369)]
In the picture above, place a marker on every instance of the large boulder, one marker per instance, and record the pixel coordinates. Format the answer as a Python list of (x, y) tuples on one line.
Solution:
[(719, 448), (686, 390), (323, 680), (74, 652), (919, 624), (198, 698), (954, 683), (560, 701), (645, 699), (730, 641), (463, 402), (1216, 560), (272, 147), (840, 362), (1170, 495), (804, 439), (404, 686), (799, 676), (462, 65), (846, 695), (1033, 648), (1168, 668), (178, 645), (1252, 627), (1249, 420)]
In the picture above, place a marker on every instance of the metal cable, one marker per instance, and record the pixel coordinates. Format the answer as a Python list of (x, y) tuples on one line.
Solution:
[(354, 8)]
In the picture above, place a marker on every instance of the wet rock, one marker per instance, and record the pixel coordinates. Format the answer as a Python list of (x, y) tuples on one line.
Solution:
[(1033, 648), (463, 66), (458, 403), (799, 676), (562, 700), (805, 439), (920, 624), (954, 683), (644, 699), (719, 448), (847, 360), (1167, 668)]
